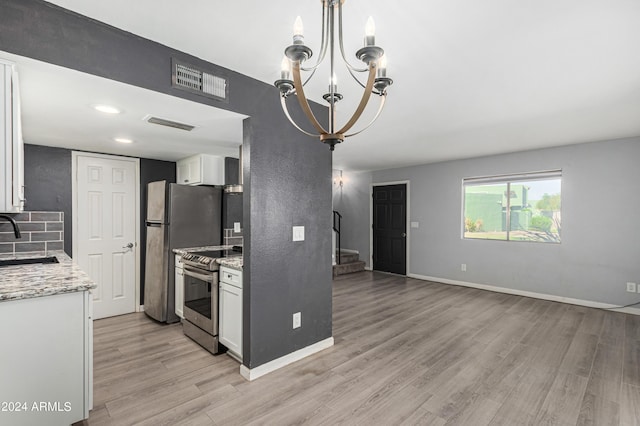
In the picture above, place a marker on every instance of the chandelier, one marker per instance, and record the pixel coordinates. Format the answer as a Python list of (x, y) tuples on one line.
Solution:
[(296, 54)]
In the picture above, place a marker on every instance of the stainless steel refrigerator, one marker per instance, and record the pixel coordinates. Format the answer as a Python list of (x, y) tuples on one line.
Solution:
[(178, 216)]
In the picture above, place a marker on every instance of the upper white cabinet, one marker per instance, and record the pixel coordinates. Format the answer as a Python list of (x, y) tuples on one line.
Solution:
[(11, 145), (201, 169)]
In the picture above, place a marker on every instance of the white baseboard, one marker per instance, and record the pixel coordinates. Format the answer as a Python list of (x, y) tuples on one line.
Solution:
[(140, 308), (368, 268), (253, 373), (543, 296)]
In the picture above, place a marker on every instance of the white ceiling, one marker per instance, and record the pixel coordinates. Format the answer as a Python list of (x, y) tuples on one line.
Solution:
[(471, 78), (58, 110)]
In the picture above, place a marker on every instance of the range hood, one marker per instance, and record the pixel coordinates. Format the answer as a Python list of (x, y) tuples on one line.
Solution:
[(236, 188)]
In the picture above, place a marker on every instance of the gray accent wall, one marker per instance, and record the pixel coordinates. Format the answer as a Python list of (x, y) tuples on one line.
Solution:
[(47, 184), (287, 175), (600, 249)]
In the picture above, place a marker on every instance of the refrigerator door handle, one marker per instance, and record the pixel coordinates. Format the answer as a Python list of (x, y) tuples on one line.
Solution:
[(154, 224)]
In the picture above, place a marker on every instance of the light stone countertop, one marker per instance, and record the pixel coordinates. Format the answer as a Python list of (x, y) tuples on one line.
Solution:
[(234, 262), (182, 251), (37, 280)]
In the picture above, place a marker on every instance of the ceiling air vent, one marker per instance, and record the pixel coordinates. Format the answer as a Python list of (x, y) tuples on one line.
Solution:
[(190, 78), (169, 123)]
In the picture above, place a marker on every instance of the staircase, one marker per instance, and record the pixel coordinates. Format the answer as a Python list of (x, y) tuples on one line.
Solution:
[(347, 261)]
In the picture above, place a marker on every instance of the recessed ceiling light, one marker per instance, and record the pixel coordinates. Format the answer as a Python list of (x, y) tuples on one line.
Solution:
[(123, 140), (107, 109)]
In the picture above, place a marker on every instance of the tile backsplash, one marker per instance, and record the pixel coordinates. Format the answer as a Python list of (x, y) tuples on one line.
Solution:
[(41, 231), (232, 238)]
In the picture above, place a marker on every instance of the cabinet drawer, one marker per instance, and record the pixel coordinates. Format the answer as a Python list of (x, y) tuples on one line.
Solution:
[(231, 276)]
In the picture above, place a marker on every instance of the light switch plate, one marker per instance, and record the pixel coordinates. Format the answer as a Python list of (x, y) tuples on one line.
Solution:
[(298, 233), (236, 227), (415, 224)]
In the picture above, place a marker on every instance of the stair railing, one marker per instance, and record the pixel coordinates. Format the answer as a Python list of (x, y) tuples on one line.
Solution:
[(337, 224)]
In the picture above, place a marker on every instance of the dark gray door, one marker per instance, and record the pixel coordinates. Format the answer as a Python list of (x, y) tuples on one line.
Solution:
[(390, 228)]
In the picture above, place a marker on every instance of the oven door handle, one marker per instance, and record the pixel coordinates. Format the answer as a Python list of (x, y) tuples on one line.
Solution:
[(188, 270)]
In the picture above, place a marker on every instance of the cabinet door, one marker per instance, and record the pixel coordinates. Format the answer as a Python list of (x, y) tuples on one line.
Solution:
[(11, 144), (179, 291), (17, 146), (231, 318), (195, 170), (189, 170), (182, 172), (44, 359)]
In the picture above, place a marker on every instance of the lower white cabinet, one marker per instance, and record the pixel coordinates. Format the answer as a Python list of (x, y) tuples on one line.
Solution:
[(230, 331), (46, 360), (179, 291)]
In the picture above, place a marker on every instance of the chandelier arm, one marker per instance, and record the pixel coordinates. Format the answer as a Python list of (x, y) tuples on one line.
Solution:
[(302, 99), (323, 44), (375, 92), (383, 98), (363, 102), (344, 57), (355, 78), (283, 102), (310, 76)]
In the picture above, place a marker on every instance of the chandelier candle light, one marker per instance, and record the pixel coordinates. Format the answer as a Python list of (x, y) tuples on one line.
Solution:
[(296, 54)]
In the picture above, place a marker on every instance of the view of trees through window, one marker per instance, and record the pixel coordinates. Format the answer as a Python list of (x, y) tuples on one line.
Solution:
[(514, 208)]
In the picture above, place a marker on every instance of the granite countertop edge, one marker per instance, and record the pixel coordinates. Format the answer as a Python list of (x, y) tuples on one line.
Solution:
[(182, 251), (39, 280), (234, 262)]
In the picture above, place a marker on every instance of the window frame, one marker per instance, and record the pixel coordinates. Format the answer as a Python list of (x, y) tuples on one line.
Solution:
[(508, 179)]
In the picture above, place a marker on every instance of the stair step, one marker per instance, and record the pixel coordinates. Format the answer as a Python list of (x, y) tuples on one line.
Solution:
[(349, 257), (348, 268)]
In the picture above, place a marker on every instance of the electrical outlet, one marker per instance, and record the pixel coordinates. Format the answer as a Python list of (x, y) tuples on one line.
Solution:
[(297, 320), (631, 287), (463, 267), (236, 227)]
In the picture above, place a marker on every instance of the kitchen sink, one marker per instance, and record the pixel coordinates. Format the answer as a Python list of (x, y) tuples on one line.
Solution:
[(29, 261)]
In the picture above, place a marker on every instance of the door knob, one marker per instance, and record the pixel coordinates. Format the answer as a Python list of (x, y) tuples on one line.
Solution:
[(404, 234), (128, 246)]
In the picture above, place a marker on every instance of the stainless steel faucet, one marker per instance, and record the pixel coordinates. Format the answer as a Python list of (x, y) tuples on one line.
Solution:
[(16, 229)]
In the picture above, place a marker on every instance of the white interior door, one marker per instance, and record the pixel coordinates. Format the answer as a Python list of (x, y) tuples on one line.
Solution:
[(105, 224)]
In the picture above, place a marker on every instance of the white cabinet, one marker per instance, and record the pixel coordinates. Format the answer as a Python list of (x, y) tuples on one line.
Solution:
[(46, 361), (179, 290), (230, 332), (11, 144), (201, 169)]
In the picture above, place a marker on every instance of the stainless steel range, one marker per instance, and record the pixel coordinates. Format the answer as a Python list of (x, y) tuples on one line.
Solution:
[(201, 295)]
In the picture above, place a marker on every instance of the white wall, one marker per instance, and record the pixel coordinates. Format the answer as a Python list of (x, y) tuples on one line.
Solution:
[(352, 201), (600, 249)]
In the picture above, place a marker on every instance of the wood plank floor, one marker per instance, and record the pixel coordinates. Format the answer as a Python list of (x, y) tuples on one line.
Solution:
[(406, 352)]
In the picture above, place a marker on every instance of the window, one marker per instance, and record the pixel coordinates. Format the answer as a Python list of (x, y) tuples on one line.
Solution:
[(524, 207)]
